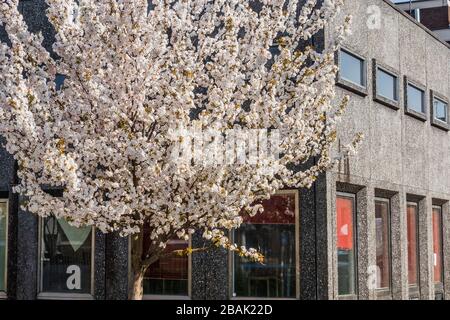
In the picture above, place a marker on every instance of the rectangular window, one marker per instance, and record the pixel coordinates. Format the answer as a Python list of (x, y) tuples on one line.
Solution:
[(413, 244), (3, 243), (437, 245), (169, 275), (440, 109), (387, 85), (346, 244), (415, 99), (383, 243), (274, 233), (66, 257), (352, 68)]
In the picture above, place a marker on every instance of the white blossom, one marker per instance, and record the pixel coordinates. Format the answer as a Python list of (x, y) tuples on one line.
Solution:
[(133, 75)]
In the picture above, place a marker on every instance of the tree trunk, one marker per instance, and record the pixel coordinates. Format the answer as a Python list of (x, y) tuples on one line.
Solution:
[(139, 265), (136, 288)]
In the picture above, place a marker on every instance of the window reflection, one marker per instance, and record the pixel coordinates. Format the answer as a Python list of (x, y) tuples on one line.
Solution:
[(413, 244), (382, 223), (66, 257), (437, 245), (273, 234), (352, 68), (168, 275), (440, 110), (346, 248), (415, 99), (386, 85)]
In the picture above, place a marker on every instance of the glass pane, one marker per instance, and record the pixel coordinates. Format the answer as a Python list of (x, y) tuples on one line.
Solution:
[(413, 244), (352, 68), (415, 99), (386, 85), (346, 253), (273, 234), (440, 110), (66, 257), (169, 275), (437, 245), (382, 221), (3, 237), (59, 81)]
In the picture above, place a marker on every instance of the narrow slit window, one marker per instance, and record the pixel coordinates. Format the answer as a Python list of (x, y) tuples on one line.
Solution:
[(346, 244)]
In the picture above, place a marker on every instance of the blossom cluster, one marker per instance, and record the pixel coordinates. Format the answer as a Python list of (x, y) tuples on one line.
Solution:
[(133, 73)]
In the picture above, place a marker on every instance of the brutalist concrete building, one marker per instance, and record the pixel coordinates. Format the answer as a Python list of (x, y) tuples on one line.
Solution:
[(375, 227)]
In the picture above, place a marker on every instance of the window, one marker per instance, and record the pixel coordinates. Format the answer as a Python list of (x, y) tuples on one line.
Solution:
[(66, 258), (59, 81), (415, 99), (383, 243), (415, 102), (413, 244), (437, 245), (3, 243), (439, 111), (346, 244), (352, 68), (169, 275), (275, 234), (387, 85)]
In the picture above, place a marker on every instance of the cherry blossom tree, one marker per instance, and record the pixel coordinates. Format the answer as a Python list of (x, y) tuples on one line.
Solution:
[(134, 74)]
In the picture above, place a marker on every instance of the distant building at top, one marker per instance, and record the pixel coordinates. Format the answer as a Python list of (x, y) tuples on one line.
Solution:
[(434, 14)]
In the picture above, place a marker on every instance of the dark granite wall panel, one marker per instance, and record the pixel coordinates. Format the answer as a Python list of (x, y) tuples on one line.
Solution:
[(13, 207), (308, 289), (27, 256), (99, 266), (209, 279), (116, 267), (321, 234), (34, 15), (6, 168)]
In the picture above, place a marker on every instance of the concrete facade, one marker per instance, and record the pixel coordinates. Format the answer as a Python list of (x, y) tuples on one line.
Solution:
[(402, 158)]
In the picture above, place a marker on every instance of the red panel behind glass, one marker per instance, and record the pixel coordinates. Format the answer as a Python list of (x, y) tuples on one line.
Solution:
[(344, 209), (279, 209), (169, 267), (437, 245), (413, 274)]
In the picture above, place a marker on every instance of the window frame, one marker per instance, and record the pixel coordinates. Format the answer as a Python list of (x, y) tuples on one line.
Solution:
[(355, 295), (164, 296), (4, 294), (438, 286), (347, 84), (387, 291), (393, 104), (414, 289), (422, 116), (231, 255), (434, 121), (49, 295)]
